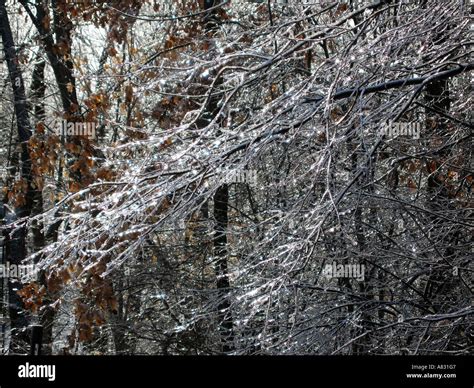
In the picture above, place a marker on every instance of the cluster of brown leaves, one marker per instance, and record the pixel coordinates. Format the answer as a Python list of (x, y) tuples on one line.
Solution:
[(97, 298), (17, 193), (32, 295), (98, 103), (44, 153)]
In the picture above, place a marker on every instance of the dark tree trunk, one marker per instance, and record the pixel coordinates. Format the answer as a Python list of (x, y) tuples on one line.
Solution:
[(16, 240), (47, 314), (221, 204)]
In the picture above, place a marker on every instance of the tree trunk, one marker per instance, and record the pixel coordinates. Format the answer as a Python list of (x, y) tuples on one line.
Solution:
[(221, 204), (16, 241)]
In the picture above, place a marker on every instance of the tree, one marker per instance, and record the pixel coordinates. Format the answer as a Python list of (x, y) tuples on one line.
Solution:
[(244, 150)]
